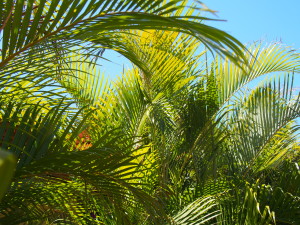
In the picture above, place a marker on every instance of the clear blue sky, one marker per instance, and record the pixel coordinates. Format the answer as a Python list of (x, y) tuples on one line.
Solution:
[(266, 20), (256, 20)]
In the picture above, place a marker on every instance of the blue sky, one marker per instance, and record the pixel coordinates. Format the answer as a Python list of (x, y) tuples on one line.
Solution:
[(256, 20), (265, 20)]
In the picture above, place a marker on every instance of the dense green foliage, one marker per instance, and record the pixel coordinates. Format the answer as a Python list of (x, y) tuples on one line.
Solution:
[(177, 139)]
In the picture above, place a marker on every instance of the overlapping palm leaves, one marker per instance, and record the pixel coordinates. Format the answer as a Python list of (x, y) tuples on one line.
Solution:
[(219, 136), (40, 123), (175, 135)]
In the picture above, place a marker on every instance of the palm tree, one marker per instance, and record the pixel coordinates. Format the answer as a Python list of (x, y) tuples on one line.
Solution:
[(177, 139), (49, 48), (220, 148)]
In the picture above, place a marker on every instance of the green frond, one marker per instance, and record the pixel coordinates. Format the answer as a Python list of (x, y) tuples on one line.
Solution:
[(284, 205), (25, 24), (177, 139), (86, 84), (244, 209), (201, 211), (261, 122), (274, 58)]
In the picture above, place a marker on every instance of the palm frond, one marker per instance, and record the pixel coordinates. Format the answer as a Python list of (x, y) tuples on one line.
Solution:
[(26, 25), (245, 209), (201, 211), (262, 121), (96, 172), (262, 61)]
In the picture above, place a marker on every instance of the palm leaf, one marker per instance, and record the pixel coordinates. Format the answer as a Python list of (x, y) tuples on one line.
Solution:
[(29, 27), (268, 111), (262, 61), (201, 211)]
